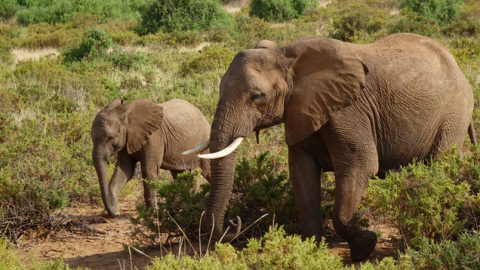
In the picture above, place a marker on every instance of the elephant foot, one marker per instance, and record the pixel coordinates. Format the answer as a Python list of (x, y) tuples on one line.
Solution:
[(105, 214), (361, 245)]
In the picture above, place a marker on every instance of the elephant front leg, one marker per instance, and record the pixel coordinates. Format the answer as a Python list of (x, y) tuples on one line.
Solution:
[(124, 170), (305, 174), (151, 164), (350, 184)]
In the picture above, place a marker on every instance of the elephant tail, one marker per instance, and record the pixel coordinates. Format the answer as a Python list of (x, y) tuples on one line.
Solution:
[(471, 133)]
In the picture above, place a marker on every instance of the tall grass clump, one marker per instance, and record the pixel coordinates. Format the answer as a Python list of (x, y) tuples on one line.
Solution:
[(280, 10), (168, 16)]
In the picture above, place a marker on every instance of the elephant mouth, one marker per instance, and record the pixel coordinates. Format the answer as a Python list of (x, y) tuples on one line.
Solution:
[(222, 153)]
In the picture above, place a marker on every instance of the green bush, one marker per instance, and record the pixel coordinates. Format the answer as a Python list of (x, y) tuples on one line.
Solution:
[(275, 250), (62, 11), (6, 53), (168, 16), (460, 254), (261, 186), (97, 45), (441, 11), (432, 201), (353, 20), (8, 8), (413, 23), (94, 45), (280, 10), (211, 58), (183, 202)]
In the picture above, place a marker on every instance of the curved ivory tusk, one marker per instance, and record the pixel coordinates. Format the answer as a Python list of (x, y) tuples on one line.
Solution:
[(197, 149), (225, 152)]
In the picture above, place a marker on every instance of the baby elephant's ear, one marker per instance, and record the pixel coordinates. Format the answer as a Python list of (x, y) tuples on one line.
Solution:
[(114, 104), (143, 118), (265, 44)]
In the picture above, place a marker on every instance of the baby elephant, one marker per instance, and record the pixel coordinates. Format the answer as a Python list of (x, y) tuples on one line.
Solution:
[(153, 134)]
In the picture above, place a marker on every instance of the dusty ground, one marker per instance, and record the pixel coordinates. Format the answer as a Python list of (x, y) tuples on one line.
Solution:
[(88, 240)]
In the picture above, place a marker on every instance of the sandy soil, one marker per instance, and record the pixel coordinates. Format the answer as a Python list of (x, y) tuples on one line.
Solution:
[(85, 239)]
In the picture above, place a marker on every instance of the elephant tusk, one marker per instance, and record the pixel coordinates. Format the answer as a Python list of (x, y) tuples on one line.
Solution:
[(225, 152), (197, 149)]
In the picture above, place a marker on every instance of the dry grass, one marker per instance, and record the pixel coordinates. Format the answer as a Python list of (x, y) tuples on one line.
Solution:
[(22, 54)]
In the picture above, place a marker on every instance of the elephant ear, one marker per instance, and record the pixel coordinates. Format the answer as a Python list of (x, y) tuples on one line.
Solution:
[(143, 118), (326, 76), (265, 44), (114, 104)]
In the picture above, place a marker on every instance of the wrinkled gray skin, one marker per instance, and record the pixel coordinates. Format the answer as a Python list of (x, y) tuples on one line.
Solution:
[(356, 110), (154, 135)]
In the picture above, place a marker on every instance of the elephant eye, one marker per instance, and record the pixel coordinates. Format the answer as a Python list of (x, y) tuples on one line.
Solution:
[(110, 138), (257, 95)]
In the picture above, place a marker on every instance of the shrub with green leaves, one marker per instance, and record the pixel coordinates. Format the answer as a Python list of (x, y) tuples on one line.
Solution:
[(460, 254), (433, 200), (354, 19), (62, 11), (182, 203), (441, 11), (8, 8), (96, 45), (261, 186), (275, 250), (168, 16), (280, 10), (211, 58), (6, 53)]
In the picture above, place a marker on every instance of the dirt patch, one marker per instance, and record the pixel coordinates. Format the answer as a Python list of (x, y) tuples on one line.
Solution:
[(85, 239), (235, 6), (25, 54), (324, 3)]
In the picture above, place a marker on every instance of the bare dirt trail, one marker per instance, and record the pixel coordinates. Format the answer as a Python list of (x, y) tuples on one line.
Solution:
[(98, 243), (93, 241)]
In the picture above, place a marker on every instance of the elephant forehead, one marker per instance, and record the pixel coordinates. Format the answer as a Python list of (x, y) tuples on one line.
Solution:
[(104, 125)]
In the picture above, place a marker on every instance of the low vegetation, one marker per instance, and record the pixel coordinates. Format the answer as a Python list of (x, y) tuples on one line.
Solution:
[(131, 49)]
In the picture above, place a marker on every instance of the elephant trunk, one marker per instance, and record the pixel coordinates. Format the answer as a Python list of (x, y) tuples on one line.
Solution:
[(100, 163), (222, 170)]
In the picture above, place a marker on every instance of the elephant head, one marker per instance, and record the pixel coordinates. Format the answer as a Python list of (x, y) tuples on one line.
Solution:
[(121, 127), (301, 84)]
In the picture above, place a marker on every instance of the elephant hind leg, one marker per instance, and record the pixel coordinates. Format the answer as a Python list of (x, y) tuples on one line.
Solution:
[(452, 131)]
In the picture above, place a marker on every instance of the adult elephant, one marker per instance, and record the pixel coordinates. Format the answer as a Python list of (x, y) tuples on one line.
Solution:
[(149, 133), (357, 110)]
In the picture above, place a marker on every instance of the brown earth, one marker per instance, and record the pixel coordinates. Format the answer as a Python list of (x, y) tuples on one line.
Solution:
[(85, 239)]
